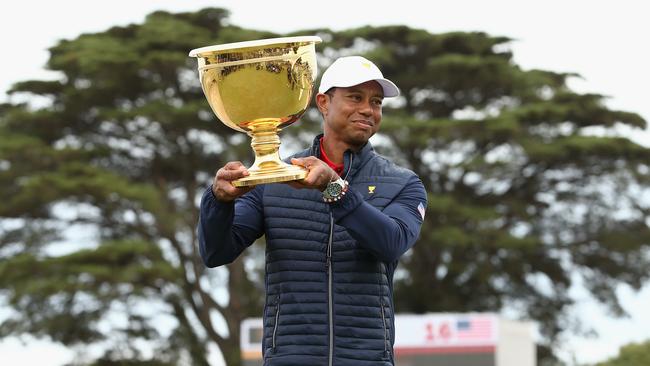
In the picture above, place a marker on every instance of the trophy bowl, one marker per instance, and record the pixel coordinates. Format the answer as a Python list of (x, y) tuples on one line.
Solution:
[(260, 87)]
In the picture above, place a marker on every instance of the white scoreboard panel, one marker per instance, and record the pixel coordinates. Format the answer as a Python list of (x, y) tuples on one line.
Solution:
[(441, 339)]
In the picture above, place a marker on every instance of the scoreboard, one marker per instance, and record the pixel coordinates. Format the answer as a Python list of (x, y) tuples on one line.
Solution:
[(441, 339)]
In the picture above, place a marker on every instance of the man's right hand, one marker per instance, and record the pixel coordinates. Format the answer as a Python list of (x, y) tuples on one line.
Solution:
[(222, 187)]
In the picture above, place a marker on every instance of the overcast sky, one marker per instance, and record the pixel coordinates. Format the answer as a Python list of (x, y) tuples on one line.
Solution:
[(604, 41)]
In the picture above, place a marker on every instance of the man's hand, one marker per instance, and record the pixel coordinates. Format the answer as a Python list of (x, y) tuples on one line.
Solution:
[(320, 174), (222, 187)]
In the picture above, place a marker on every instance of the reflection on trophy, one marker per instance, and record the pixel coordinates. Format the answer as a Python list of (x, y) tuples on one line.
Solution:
[(260, 87)]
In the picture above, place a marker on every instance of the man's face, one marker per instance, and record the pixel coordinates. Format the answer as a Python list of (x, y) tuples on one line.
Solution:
[(353, 114)]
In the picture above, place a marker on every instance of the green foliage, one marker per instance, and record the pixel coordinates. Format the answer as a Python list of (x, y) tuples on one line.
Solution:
[(56, 304), (524, 192), (121, 150), (523, 195), (634, 354)]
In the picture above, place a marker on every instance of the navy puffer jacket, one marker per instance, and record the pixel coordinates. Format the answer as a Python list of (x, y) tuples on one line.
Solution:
[(329, 267)]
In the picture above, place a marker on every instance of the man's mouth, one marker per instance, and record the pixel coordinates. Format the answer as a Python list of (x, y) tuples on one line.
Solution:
[(363, 123)]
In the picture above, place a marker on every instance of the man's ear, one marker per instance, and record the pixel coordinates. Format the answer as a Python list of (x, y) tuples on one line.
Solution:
[(322, 102)]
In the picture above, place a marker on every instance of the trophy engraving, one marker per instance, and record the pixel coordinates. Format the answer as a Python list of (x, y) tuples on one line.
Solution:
[(259, 88)]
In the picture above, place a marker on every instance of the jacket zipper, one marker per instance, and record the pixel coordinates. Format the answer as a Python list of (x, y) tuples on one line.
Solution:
[(277, 319), (382, 271), (386, 336), (328, 265)]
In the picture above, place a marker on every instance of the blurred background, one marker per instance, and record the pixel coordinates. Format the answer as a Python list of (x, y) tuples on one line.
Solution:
[(525, 120)]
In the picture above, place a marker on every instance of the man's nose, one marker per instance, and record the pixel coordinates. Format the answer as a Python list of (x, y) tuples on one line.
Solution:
[(365, 107)]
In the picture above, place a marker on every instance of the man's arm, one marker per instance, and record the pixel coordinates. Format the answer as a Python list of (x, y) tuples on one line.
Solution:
[(231, 218), (388, 233), (227, 228)]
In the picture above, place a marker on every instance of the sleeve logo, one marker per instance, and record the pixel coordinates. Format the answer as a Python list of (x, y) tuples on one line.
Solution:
[(421, 209)]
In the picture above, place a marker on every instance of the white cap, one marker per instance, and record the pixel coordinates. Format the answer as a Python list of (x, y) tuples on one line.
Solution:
[(354, 70)]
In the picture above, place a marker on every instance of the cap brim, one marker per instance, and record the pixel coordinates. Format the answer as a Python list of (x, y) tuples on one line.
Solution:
[(390, 89)]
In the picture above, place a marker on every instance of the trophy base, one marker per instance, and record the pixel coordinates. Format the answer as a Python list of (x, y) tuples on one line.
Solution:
[(284, 173)]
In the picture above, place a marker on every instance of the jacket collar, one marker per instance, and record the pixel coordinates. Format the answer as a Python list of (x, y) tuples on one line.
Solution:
[(352, 161)]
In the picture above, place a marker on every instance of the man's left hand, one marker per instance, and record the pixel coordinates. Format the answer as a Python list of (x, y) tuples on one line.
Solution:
[(320, 174)]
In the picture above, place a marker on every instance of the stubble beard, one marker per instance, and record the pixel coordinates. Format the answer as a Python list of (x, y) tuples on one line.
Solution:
[(357, 141)]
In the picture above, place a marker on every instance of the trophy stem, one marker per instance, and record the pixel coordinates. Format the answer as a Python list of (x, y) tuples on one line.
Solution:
[(266, 144), (268, 168)]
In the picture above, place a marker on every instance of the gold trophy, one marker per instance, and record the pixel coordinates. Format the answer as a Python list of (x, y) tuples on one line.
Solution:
[(260, 87)]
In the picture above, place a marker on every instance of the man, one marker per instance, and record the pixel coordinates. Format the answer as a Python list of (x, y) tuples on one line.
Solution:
[(333, 239)]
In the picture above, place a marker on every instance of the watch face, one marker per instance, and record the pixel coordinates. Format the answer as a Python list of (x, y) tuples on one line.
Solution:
[(334, 189)]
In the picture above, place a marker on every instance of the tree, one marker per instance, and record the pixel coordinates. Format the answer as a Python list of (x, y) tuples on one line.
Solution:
[(530, 189), (633, 354), (520, 192), (125, 147)]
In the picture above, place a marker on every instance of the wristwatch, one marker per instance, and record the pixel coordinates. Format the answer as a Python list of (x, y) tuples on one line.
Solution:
[(335, 190)]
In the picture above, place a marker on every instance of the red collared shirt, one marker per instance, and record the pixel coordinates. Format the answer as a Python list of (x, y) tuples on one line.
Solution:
[(338, 168)]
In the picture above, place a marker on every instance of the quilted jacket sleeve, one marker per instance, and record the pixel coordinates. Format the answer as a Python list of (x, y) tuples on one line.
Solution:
[(388, 233), (225, 229)]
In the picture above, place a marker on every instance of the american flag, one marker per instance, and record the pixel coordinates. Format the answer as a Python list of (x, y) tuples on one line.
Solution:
[(477, 328), (421, 210)]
